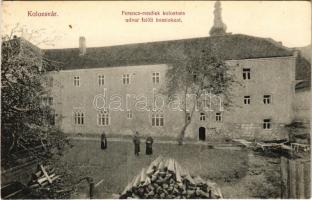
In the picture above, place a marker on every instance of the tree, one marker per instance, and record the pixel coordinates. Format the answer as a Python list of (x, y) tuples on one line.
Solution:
[(197, 74), (26, 122)]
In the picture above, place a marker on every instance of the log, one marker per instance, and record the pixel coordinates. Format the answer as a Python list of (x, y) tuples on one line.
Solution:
[(215, 190), (157, 161), (12, 194), (36, 185), (147, 181), (162, 183), (45, 182), (154, 165), (307, 180), (292, 179), (183, 172), (166, 163), (202, 193), (190, 179), (171, 165), (177, 168), (284, 178), (98, 183), (68, 190), (137, 181), (38, 174), (161, 166), (51, 171), (45, 173), (198, 180), (150, 170), (300, 180), (129, 186), (143, 175), (41, 180), (55, 177)]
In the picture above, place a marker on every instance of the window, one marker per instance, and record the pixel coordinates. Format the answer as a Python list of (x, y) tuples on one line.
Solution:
[(266, 99), (78, 118), (76, 81), (157, 119), (156, 77), (246, 99), (202, 117), (246, 73), (267, 124), (188, 116), (129, 114), (126, 79), (103, 118), (101, 80), (50, 101), (218, 117)]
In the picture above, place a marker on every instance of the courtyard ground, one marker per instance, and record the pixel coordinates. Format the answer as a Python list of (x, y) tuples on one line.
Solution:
[(239, 172)]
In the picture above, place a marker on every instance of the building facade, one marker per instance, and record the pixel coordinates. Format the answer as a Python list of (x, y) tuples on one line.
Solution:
[(121, 100), (115, 88)]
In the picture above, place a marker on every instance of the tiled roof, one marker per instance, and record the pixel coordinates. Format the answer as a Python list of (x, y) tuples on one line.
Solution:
[(227, 47)]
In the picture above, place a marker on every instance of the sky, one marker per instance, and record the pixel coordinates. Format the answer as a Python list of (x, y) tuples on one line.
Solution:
[(102, 22)]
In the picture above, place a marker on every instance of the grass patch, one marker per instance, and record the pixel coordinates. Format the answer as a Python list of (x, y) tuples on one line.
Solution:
[(117, 165)]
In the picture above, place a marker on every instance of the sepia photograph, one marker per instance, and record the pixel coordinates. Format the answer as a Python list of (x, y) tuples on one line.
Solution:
[(155, 99)]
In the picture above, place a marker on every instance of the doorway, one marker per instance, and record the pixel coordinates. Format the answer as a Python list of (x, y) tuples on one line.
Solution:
[(202, 133)]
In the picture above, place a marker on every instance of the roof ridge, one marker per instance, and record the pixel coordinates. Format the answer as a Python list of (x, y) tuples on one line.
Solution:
[(227, 46), (153, 42)]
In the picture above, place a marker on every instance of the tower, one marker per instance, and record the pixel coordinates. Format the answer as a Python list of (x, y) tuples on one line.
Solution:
[(218, 28)]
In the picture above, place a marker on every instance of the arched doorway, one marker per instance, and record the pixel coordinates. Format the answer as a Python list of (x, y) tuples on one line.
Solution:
[(202, 133)]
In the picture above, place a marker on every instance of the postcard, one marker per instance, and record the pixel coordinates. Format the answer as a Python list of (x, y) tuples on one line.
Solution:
[(155, 99)]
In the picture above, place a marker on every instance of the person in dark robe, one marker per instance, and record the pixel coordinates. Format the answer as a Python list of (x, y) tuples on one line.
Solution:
[(103, 141), (149, 145), (136, 141)]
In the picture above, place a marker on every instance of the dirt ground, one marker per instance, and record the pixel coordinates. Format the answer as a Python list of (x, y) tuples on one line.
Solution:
[(239, 173)]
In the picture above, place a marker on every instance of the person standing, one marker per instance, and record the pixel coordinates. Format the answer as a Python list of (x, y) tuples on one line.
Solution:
[(149, 146), (103, 140), (136, 141)]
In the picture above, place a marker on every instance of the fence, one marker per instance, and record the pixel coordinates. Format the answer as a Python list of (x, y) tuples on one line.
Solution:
[(295, 176), (21, 173)]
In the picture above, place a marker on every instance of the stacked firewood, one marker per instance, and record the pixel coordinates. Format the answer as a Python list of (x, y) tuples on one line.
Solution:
[(165, 178), (43, 177)]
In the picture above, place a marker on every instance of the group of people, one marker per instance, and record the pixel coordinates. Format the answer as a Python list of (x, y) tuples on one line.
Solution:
[(136, 141)]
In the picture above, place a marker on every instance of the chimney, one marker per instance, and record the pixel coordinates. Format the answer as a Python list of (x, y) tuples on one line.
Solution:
[(82, 46), (296, 53), (218, 28)]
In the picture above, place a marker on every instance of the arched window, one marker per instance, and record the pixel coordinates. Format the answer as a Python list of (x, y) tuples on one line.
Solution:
[(202, 117), (103, 118), (78, 118), (101, 80), (158, 119)]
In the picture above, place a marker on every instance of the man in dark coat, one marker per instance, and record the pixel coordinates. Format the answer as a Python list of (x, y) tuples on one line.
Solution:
[(103, 141), (149, 146), (136, 141)]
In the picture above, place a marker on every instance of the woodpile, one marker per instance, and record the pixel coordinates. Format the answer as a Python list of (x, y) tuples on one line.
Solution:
[(43, 177), (165, 178)]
